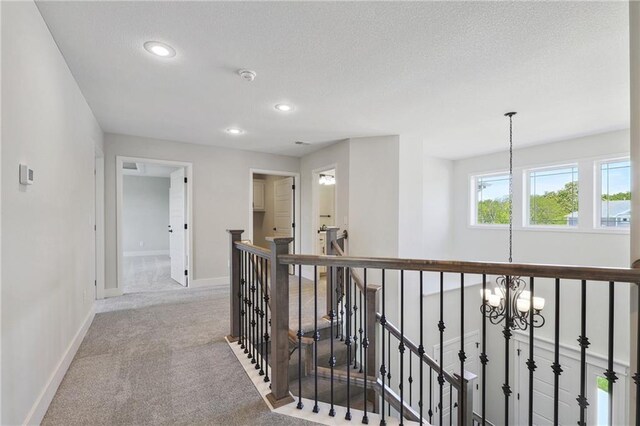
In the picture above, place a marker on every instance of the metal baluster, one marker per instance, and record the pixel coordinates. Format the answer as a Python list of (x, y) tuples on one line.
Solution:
[(584, 344), (240, 299), (410, 379), (332, 358), (342, 301), (610, 374), (401, 348), (300, 404), (462, 356), (243, 256), (483, 356), (430, 395), (506, 389), (262, 309), (355, 326), (266, 318), (254, 289), (365, 345), (636, 376), (421, 346), (531, 363), (251, 310), (360, 330), (347, 340), (247, 313), (316, 337), (389, 371), (557, 369), (383, 322), (441, 328)]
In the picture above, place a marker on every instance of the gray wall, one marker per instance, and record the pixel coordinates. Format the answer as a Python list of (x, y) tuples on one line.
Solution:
[(47, 228), (221, 182), (145, 215)]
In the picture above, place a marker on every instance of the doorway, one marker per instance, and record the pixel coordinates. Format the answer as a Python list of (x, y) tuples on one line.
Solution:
[(153, 225), (324, 205), (273, 208)]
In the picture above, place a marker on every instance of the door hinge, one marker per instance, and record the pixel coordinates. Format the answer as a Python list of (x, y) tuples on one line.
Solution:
[(293, 225), (518, 396), (95, 227), (95, 283), (185, 226), (186, 272), (293, 187), (185, 180)]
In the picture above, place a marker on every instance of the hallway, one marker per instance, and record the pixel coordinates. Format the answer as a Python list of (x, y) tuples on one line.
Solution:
[(148, 273), (159, 358)]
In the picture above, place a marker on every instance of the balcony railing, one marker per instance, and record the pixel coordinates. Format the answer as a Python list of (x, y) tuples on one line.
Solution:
[(344, 339)]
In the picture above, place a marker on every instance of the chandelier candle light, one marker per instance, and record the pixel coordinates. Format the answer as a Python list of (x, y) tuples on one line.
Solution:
[(510, 300)]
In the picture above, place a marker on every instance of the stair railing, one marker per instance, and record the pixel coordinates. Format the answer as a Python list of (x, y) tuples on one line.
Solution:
[(396, 366)]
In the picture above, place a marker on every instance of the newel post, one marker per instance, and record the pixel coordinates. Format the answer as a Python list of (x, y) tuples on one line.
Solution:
[(332, 236), (279, 323), (235, 235)]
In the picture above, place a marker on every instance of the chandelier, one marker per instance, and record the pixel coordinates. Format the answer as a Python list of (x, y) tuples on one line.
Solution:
[(511, 301)]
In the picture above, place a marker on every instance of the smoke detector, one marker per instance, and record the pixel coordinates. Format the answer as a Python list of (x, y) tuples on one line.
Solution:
[(247, 75)]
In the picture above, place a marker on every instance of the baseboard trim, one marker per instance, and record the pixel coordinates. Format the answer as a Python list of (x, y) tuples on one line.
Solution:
[(40, 407), (112, 292), (210, 282), (145, 253)]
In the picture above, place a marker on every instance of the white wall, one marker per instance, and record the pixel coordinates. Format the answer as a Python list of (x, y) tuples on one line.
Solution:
[(221, 182), (48, 237), (583, 246), (145, 215)]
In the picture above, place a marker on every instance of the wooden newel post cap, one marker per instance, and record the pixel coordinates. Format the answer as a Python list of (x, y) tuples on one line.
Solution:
[(235, 231), (279, 240)]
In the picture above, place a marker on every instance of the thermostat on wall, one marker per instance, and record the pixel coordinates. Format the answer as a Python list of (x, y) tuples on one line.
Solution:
[(26, 175)]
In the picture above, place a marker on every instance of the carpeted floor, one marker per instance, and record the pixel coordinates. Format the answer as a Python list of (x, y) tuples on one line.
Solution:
[(147, 273), (160, 358)]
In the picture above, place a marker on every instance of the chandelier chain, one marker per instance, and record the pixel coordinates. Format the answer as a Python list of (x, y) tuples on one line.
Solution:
[(510, 188)]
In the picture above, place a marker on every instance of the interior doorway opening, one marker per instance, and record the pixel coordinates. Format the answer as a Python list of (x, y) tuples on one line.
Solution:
[(153, 225), (324, 209), (273, 208)]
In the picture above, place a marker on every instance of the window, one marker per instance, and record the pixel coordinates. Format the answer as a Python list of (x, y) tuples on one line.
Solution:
[(492, 200), (553, 196), (615, 194), (603, 396)]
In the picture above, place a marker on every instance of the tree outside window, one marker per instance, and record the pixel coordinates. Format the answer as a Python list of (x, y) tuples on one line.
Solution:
[(492, 200), (553, 196)]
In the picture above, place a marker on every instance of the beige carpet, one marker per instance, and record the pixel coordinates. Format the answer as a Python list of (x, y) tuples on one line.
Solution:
[(160, 358), (147, 273)]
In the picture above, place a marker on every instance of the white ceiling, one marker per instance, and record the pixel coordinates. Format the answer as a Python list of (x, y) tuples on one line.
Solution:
[(444, 72)]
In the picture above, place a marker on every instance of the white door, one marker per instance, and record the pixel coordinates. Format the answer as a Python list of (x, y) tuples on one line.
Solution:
[(568, 389), (283, 207), (177, 221)]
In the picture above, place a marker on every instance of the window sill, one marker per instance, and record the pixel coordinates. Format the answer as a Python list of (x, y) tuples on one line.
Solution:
[(551, 229)]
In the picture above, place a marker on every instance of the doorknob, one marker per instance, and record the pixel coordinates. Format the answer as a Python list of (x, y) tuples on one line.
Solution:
[(170, 230), (274, 229)]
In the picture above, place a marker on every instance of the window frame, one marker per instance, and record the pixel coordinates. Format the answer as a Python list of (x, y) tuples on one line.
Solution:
[(526, 192), (597, 194), (473, 211)]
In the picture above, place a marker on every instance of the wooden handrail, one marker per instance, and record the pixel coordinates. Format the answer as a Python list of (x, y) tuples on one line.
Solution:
[(625, 275), (253, 249), (354, 273), (455, 382)]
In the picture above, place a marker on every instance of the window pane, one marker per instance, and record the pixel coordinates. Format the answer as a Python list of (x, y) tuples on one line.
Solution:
[(616, 194), (553, 197), (492, 199)]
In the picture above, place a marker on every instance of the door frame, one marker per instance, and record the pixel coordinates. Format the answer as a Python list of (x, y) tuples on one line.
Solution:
[(315, 205), (119, 201), (98, 181), (296, 203)]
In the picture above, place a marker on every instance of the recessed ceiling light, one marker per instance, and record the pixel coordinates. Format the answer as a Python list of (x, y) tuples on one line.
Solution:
[(284, 107), (160, 49), (235, 131)]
